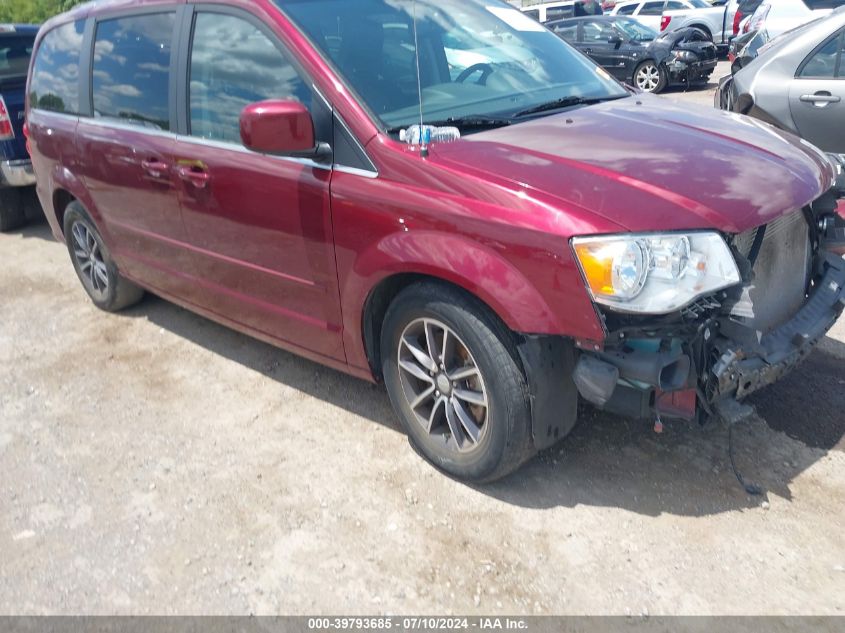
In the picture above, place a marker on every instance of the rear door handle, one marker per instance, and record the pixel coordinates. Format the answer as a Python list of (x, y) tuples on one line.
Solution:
[(154, 167), (820, 99), (194, 174)]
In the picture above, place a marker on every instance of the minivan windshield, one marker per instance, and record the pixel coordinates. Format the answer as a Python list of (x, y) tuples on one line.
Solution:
[(480, 60)]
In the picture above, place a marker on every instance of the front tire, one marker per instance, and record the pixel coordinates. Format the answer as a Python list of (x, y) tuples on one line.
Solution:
[(649, 77), (453, 376), (94, 265)]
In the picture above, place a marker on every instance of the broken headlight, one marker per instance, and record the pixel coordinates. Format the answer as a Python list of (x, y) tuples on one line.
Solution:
[(655, 273)]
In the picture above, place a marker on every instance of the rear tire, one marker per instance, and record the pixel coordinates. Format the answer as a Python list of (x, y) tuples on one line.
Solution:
[(12, 210), (94, 265), (475, 422)]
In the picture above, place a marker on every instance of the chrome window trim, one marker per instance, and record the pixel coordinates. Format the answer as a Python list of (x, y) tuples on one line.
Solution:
[(354, 171), (44, 112), (195, 140), (234, 147), (117, 125)]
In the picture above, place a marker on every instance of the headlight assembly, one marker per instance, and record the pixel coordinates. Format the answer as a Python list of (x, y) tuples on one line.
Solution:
[(685, 56), (655, 273)]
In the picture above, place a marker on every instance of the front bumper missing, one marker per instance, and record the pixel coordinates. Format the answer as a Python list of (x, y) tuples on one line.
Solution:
[(744, 367), (690, 72), (722, 360)]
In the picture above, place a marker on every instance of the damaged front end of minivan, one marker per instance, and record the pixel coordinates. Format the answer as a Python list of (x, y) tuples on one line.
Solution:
[(701, 360)]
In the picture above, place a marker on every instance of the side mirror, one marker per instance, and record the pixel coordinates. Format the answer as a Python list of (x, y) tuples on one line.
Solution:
[(615, 40), (283, 128)]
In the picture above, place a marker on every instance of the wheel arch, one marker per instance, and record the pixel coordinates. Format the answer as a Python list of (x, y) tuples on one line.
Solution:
[(701, 27), (457, 261), (381, 297), (67, 188)]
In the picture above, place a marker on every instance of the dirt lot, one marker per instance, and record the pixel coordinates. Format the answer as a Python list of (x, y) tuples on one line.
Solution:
[(155, 462)]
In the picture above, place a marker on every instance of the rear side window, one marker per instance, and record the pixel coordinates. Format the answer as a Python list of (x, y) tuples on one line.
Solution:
[(233, 64), (15, 52), (131, 80), (569, 32), (826, 62), (627, 9), (652, 8), (674, 5), (533, 13), (556, 13), (55, 74)]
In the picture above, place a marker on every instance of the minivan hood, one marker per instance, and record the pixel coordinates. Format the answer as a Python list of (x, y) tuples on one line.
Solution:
[(647, 164)]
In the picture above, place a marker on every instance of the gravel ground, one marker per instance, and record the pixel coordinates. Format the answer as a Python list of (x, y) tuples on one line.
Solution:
[(154, 462)]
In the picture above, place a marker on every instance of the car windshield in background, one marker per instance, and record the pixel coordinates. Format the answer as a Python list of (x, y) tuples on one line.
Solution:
[(633, 30), (479, 58), (15, 51)]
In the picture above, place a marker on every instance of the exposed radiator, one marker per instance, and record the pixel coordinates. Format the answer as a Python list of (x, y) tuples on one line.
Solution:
[(781, 273)]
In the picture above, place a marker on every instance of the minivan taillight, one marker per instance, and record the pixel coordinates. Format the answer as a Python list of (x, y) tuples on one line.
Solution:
[(664, 22), (737, 20), (6, 131), (26, 136)]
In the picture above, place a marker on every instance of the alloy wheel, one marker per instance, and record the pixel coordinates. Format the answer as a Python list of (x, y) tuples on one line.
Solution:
[(89, 258), (648, 77), (443, 385)]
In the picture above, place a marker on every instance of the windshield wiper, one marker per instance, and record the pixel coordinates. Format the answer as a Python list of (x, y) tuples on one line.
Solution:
[(471, 121), (565, 102)]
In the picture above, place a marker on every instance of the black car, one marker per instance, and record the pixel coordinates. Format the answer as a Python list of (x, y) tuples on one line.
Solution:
[(638, 55)]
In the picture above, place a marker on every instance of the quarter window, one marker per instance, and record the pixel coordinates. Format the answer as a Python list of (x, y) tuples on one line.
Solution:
[(131, 78), (233, 64), (55, 74), (569, 32), (826, 62), (652, 8), (598, 32)]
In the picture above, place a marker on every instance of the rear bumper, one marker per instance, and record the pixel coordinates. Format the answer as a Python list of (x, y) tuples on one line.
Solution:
[(16, 173)]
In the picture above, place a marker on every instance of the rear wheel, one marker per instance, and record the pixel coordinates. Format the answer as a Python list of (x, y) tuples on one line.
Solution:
[(649, 77), (454, 379), (94, 265)]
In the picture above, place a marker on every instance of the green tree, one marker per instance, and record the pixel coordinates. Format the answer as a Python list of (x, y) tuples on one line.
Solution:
[(33, 11)]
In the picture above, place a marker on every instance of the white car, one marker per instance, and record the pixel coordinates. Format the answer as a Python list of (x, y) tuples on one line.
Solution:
[(779, 16), (650, 12)]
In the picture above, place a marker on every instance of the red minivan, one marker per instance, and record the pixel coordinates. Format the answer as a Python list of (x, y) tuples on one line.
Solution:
[(545, 235)]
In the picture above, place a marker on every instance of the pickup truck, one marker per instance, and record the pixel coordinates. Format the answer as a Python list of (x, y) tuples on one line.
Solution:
[(18, 201), (712, 20)]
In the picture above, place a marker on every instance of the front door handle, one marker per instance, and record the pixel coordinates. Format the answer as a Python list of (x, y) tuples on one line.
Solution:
[(194, 174), (154, 167), (820, 99)]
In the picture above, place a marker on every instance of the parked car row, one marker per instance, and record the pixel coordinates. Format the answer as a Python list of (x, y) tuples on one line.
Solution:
[(638, 55)]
